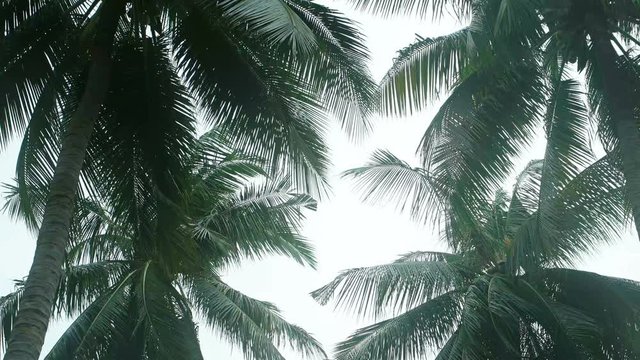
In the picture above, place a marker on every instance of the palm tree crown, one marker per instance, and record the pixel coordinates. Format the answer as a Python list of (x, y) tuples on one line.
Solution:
[(136, 286), (134, 74), (518, 66), (505, 291)]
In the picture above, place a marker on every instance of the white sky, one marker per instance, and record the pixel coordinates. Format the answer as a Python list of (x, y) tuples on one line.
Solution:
[(345, 232)]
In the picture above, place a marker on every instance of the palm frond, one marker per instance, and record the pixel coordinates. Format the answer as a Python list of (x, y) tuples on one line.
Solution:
[(567, 151), (413, 7), (407, 336), (591, 211), (498, 104), (424, 70), (34, 43), (8, 312), (393, 287), (525, 197), (258, 220), (99, 324), (386, 178), (278, 120), (567, 326), (255, 326), (145, 134), (427, 256), (164, 317), (450, 350), (80, 285), (276, 20), (338, 70), (474, 337), (610, 301), (40, 146)]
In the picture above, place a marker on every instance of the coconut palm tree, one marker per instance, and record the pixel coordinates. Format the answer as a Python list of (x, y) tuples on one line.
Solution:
[(135, 287), (505, 291), (500, 74), (266, 71)]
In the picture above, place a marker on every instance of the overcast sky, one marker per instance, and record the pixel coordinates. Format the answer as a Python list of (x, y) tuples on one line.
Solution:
[(345, 232)]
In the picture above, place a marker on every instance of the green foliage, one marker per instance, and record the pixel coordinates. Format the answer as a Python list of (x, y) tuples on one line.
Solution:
[(503, 293), (137, 276), (515, 67), (266, 72)]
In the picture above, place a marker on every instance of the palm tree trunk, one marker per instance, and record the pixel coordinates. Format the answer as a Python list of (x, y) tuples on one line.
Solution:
[(619, 100), (28, 333)]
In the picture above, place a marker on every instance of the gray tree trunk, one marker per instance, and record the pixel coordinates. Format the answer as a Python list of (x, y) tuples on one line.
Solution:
[(27, 336)]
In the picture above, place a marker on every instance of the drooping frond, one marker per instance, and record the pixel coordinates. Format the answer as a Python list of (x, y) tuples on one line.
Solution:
[(36, 40), (80, 285), (424, 70), (612, 302), (498, 104), (164, 317), (427, 256), (99, 325), (145, 133), (590, 211), (258, 220), (510, 301), (338, 69), (567, 124), (413, 7), (95, 237), (407, 336), (40, 145), (451, 349), (254, 326), (8, 311), (388, 179), (393, 287), (525, 197), (255, 96), (274, 20), (474, 337)]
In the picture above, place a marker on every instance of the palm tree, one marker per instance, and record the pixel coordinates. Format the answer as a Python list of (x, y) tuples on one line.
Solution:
[(266, 71), (502, 74), (505, 291), (136, 286)]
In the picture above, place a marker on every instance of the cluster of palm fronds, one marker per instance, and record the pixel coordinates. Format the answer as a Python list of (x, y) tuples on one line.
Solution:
[(107, 95), (507, 289), (137, 216), (135, 285)]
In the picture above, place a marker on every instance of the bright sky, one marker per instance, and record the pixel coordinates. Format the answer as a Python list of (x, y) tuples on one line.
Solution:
[(345, 232)]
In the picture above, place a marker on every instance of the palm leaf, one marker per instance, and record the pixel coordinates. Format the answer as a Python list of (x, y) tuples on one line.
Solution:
[(386, 178), (256, 221), (276, 20), (498, 104), (255, 326), (258, 100), (428, 256), (338, 70), (164, 317), (424, 70), (100, 323), (591, 212), (80, 285), (407, 336), (35, 43), (396, 286), (412, 7), (610, 301), (8, 311)]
